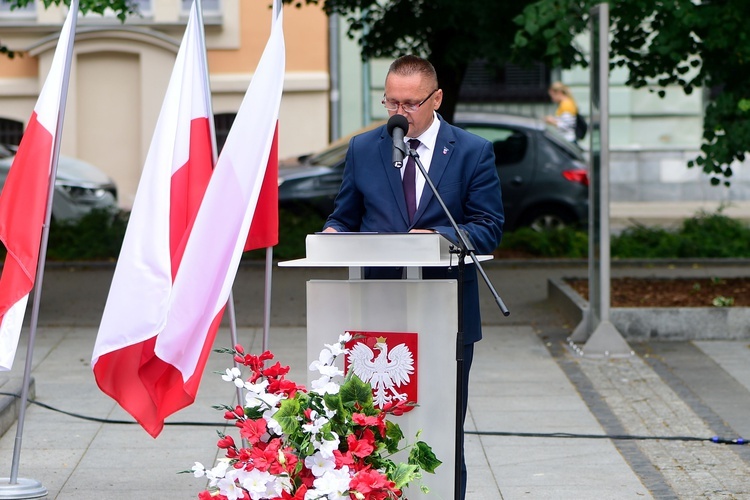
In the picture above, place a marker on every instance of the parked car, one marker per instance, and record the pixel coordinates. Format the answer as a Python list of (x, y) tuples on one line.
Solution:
[(544, 179), (79, 186)]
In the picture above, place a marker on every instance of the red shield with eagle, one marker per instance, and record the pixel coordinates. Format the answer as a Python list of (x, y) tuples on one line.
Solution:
[(388, 362)]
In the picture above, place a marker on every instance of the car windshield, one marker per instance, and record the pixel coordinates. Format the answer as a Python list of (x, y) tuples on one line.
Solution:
[(6, 151), (330, 157)]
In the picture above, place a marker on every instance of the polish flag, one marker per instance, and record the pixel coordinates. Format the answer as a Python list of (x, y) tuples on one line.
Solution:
[(23, 202), (264, 230), (212, 254), (174, 179), (155, 325)]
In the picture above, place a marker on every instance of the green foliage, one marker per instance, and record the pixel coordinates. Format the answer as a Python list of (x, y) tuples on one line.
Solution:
[(121, 8), (99, 235), (294, 225), (705, 235), (565, 242), (96, 236), (702, 236), (680, 43), (423, 455), (447, 32)]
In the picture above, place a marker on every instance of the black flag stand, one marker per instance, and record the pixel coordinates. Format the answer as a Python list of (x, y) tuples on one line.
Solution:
[(465, 248)]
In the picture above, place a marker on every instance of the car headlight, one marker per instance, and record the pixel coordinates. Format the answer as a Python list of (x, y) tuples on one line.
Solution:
[(82, 192)]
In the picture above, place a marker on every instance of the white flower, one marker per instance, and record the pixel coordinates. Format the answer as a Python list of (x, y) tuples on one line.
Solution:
[(233, 375), (331, 371), (276, 486), (324, 386), (218, 472), (320, 464), (255, 482), (198, 470), (229, 488), (333, 483), (317, 422), (327, 447), (272, 424), (258, 388), (337, 349), (256, 399)]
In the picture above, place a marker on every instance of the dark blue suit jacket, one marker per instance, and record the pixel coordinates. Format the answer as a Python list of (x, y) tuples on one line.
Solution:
[(371, 199)]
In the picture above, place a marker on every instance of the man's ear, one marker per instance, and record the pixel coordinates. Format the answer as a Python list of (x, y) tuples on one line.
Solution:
[(438, 98)]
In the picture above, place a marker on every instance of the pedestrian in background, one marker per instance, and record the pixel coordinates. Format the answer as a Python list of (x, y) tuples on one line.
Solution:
[(566, 113)]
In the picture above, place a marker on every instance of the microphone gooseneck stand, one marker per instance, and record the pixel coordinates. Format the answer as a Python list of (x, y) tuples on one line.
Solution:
[(464, 248)]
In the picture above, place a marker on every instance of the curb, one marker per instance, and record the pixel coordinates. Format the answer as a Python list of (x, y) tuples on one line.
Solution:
[(658, 323), (10, 406)]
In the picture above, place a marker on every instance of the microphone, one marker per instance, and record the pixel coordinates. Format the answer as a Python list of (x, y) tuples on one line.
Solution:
[(397, 127)]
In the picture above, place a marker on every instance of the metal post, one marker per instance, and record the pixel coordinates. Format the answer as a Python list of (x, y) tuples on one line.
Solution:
[(605, 340), (15, 487)]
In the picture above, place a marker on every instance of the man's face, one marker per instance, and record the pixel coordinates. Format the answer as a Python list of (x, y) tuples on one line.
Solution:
[(413, 89)]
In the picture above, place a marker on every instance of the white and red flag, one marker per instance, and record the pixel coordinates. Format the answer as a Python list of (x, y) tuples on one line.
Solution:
[(23, 202), (175, 175), (167, 295)]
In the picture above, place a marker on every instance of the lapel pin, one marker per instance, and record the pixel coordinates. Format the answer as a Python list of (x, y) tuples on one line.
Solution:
[(445, 151)]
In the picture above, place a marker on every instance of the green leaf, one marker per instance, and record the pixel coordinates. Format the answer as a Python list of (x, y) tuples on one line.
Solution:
[(355, 393), (404, 474), (422, 455), (287, 416)]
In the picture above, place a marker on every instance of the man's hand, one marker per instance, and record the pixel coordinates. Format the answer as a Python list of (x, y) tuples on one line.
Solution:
[(422, 231), (329, 230)]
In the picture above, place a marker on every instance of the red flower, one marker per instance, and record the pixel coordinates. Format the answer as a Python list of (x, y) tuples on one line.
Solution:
[(370, 421), (361, 447), (343, 458), (207, 495), (396, 407), (371, 483), (300, 495), (252, 430), (286, 387), (225, 442), (276, 371), (288, 464)]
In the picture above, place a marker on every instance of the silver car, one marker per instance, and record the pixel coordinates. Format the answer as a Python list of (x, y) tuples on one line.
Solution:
[(79, 187)]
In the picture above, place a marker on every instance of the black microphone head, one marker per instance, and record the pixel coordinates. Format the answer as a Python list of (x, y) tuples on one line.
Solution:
[(397, 121)]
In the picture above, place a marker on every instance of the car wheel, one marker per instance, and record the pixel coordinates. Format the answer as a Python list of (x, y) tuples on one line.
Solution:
[(546, 218)]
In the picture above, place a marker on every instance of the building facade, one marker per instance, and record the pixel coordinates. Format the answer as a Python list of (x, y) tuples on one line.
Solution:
[(120, 72)]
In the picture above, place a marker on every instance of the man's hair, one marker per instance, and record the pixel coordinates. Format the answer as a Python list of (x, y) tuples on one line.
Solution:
[(411, 65)]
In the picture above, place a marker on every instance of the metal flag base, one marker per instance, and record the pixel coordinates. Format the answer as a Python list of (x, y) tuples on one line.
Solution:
[(22, 488), (606, 342)]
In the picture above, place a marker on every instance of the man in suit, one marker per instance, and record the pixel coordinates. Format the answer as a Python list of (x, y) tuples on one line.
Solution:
[(376, 197)]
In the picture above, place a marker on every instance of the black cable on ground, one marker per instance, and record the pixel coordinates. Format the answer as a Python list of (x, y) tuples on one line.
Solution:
[(564, 435), (614, 437)]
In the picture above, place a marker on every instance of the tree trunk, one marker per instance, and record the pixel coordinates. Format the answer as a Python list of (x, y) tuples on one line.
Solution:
[(450, 76)]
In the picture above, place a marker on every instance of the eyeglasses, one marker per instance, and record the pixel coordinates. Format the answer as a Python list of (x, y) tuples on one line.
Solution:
[(391, 105)]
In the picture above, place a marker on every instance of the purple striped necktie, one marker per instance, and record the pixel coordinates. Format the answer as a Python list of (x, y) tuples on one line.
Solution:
[(410, 184)]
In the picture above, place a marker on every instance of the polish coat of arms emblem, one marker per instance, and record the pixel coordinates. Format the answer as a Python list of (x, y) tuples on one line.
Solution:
[(388, 362)]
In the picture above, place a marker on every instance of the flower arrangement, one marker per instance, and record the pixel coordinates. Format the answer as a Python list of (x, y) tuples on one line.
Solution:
[(329, 443)]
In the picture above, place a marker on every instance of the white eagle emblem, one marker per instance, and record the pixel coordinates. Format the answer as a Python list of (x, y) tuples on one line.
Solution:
[(386, 372)]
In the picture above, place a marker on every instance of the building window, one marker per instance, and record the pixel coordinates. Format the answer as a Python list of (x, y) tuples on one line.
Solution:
[(11, 131), (222, 123), (508, 83), (209, 6), (144, 7)]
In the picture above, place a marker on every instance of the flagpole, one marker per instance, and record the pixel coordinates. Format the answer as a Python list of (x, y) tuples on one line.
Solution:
[(215, 153), (20, 487), (269, 250)]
